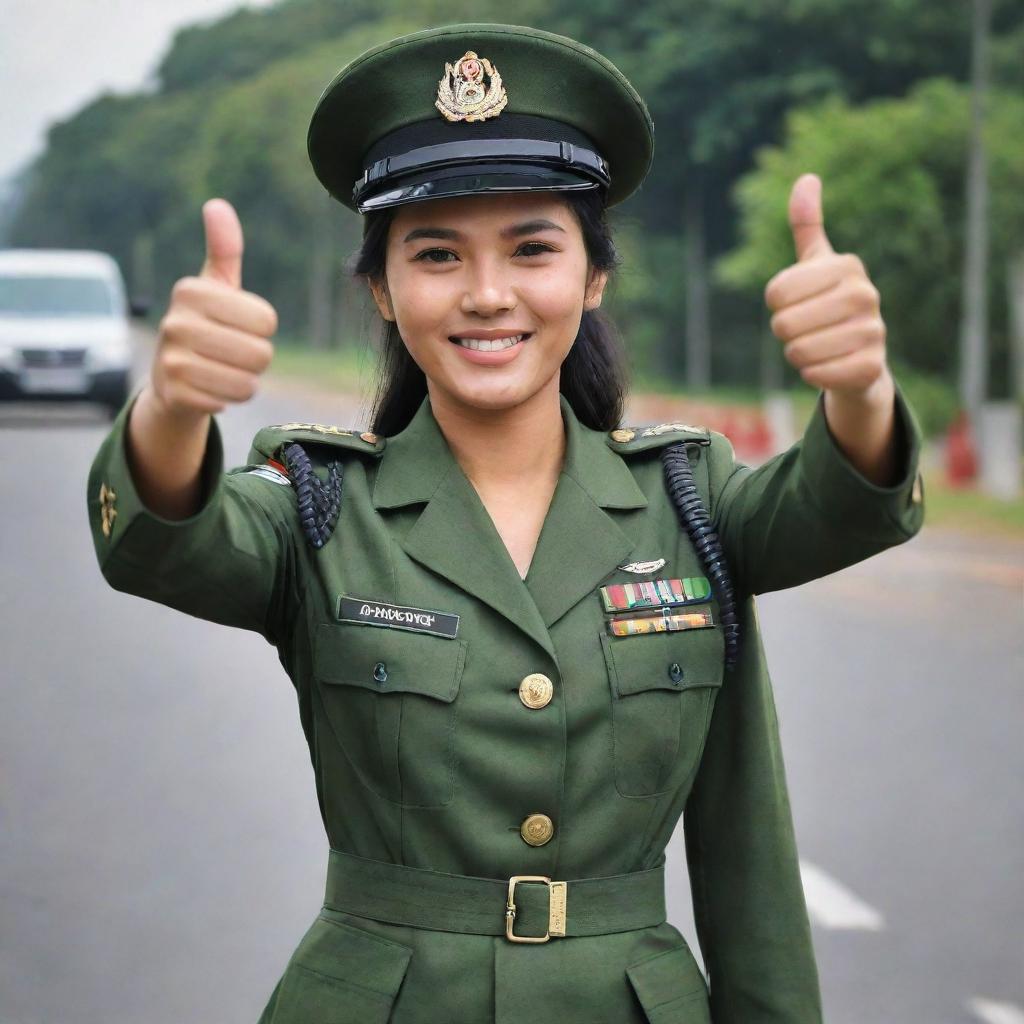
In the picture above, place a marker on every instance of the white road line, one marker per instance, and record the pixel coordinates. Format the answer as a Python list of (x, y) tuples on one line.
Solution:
[(831, 905), (995, 1013)]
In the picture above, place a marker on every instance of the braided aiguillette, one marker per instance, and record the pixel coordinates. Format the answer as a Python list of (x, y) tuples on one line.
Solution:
[(319, 505), (695, 519)]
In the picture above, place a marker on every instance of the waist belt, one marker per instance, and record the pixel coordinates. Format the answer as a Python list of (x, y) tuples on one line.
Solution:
[(537, 907)]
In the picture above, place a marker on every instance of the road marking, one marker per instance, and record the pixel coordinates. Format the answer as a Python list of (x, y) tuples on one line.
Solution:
[(995, 1013), (831, 905)]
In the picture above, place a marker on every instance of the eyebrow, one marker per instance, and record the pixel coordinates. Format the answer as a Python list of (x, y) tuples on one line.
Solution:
[(513, 231)]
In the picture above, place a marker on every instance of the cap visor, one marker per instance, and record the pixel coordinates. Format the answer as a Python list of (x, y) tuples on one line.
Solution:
[(469, 181)]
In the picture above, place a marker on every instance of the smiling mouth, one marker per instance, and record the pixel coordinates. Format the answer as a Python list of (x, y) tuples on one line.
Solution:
[(497, 345)]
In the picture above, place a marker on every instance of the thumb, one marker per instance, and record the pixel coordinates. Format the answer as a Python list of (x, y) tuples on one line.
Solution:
[(223, 242), (806, 219)]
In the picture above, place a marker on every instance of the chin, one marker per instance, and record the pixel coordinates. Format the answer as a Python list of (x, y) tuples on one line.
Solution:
[(492, 398)]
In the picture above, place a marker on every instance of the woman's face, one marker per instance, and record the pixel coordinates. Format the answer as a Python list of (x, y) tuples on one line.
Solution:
[(488, 266)]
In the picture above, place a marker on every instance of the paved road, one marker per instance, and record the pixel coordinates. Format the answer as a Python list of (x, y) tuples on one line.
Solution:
[(161, 851)]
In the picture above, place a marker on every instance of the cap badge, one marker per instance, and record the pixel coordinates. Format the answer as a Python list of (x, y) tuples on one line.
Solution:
[(462, 94)]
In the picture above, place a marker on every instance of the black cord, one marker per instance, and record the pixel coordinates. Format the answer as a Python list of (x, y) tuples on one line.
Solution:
[(695, 519), (319, 505)]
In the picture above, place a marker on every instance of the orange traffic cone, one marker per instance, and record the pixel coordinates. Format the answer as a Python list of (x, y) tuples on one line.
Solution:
[(961, 453)]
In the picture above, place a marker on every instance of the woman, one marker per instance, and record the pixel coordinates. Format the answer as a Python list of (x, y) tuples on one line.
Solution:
[(523, 637)]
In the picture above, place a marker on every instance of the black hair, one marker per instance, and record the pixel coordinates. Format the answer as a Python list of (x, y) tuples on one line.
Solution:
[(594, 375)]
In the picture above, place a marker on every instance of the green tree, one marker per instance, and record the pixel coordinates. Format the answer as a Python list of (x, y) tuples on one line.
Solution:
[(893, 178), (126, 174)]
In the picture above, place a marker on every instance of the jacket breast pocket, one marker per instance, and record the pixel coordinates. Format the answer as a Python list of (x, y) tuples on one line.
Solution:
[(340, 974), (390, 697), (662, 687)]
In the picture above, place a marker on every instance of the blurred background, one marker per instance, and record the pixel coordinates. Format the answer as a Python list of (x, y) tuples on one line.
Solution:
[(161, 850)]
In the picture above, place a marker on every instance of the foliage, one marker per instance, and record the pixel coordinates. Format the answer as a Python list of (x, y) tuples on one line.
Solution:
[(723, 81), (934, 401), (893, 173)]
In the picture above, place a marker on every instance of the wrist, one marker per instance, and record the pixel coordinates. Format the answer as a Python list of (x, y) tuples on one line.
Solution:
[(880, 394), (172, 417)]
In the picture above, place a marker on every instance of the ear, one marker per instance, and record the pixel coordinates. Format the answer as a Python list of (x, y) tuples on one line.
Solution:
[(595, 289), (379, 290)]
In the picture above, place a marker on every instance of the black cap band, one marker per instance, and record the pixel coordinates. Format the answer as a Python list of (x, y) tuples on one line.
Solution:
[(448, 154), (521, 152)]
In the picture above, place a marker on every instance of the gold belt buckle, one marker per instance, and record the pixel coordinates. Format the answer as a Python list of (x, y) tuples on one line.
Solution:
[(557, 894)]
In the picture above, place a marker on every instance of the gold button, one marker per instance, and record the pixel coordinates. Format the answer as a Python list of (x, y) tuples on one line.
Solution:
[(535, 690), (915, 494), (369, 437), (623, 434), (537, 829)]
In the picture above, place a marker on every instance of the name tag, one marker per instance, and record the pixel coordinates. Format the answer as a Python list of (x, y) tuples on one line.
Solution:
[(398, 616), (655, 593)]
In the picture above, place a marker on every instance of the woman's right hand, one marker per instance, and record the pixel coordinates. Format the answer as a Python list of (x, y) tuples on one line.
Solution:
[(214, 339), (213, 344)]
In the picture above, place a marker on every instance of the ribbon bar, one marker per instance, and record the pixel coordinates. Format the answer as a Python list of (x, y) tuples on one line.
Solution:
[(665, 622), (655, 593)]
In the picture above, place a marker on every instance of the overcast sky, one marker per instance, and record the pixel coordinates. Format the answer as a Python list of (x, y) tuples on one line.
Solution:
[(56, 55)]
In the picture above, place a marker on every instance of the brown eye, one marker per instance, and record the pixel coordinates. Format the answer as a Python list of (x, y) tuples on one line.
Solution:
[(542, 248), (426, 252)]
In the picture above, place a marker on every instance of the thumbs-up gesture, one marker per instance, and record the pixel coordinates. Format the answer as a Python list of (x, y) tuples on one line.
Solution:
[(825, 308), (214, 339)]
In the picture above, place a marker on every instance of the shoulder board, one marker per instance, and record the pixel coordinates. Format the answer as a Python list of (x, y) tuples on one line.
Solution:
[(627, 440), (269, 440)]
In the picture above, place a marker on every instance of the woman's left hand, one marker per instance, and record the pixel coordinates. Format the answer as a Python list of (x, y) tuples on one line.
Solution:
[(826, 313), (825, 309)]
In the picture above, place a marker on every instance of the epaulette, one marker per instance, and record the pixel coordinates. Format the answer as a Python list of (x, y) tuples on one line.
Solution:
[(269, 440), (283, 446), (627, 440)]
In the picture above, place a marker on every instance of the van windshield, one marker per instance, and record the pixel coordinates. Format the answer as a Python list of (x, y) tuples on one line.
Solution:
[(38, 296)]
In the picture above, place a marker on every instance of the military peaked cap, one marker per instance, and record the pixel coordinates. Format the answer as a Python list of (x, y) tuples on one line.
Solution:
[(478, 107)]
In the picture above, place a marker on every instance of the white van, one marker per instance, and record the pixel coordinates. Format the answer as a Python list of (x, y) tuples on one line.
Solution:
[(64, 327)]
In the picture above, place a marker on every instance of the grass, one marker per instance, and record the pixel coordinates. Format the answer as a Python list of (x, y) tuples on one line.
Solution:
[(968, 509), (346, 369), (297, 360), (745, 396)]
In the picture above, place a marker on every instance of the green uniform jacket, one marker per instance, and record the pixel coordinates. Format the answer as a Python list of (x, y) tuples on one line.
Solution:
[(438, 765)]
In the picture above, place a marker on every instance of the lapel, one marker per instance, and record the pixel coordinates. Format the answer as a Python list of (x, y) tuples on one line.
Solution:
[(579, 545)]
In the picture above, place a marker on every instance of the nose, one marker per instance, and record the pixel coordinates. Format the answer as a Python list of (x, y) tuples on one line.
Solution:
[(489, 289)]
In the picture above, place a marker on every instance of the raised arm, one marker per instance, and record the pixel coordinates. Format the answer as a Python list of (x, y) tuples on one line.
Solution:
[(167, 522), (851, 486), (213, 343)]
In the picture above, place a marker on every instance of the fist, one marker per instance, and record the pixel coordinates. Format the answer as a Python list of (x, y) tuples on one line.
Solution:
[(214, 339), (825, 308)]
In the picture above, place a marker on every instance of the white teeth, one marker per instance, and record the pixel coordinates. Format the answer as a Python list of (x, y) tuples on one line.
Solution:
[(490, 346)]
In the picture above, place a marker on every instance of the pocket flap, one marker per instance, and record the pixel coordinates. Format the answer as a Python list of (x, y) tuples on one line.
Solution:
[(341, 973), (667, 981), (342, 951), (679, 660), (349, 653)]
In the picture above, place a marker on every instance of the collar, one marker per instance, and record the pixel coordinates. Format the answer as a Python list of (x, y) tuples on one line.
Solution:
[(418, 459), (579, 546)]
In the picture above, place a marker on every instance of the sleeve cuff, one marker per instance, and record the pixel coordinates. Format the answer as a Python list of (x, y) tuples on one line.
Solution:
[(113, 501), (844, 492)]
